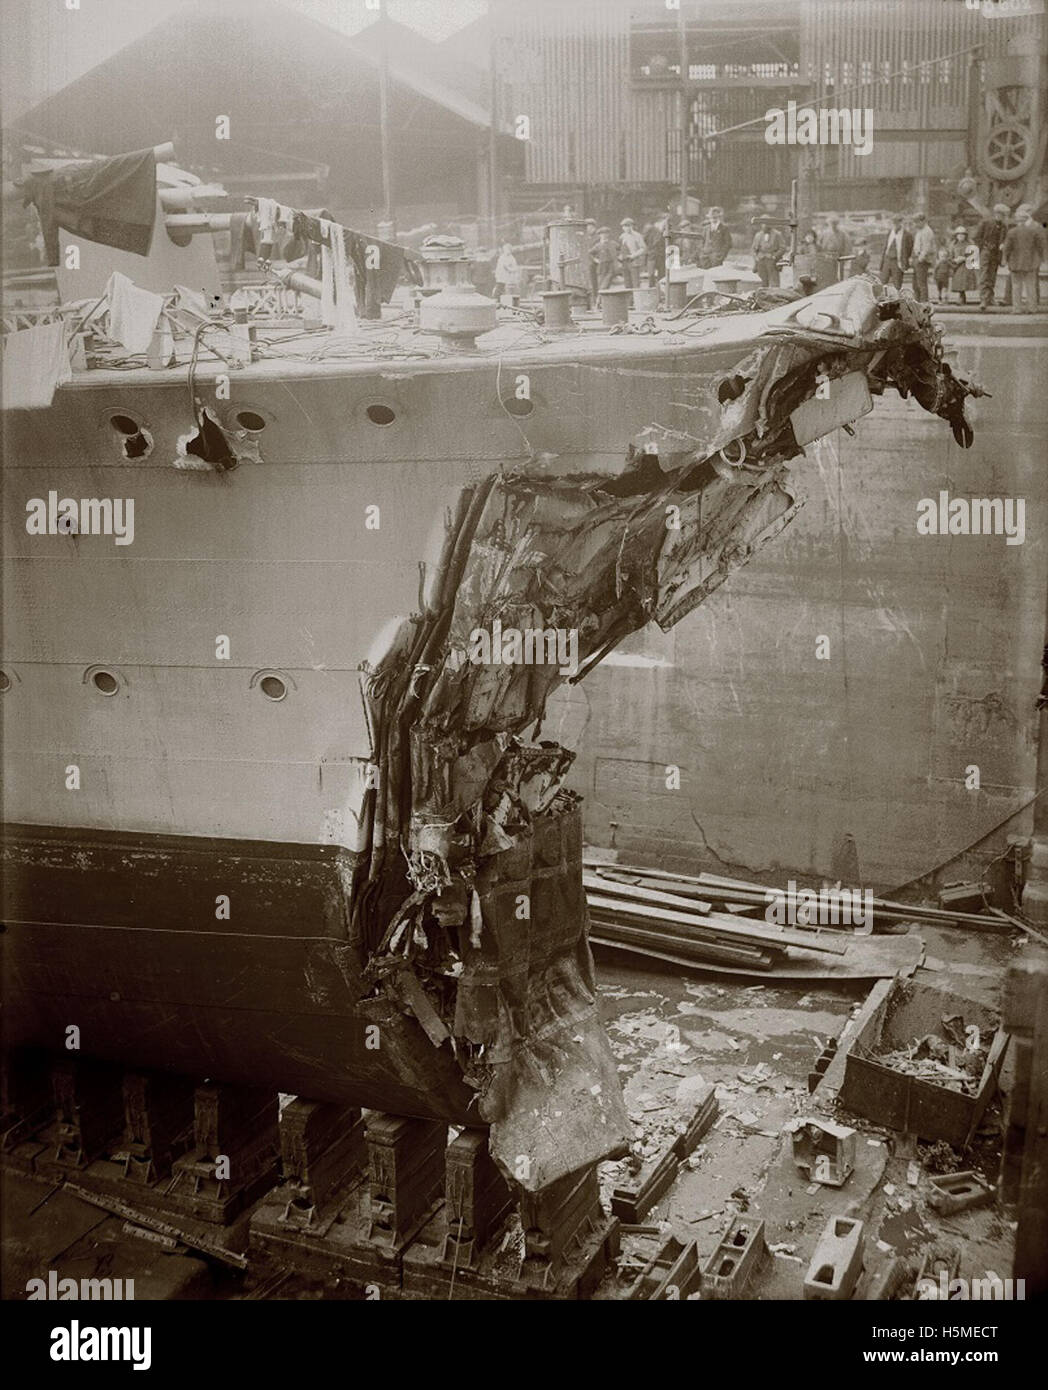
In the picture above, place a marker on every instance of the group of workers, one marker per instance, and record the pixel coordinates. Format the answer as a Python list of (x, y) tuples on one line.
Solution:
[(635, 254), (963, 262)]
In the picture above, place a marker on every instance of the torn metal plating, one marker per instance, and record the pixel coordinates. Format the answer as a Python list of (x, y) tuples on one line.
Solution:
[(471, 910)]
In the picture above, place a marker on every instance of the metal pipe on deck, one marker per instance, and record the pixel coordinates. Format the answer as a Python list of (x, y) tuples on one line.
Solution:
[(197, 222), (298, 280)]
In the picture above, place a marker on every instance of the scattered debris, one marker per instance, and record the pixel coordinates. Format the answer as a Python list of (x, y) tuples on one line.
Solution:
[(633, 1202)]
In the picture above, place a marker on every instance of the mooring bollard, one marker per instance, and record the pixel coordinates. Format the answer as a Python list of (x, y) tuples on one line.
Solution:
[(615, 305), (556, 308), (676, 295)]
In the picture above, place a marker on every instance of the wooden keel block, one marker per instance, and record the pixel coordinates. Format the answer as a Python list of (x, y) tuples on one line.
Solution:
[(88, 1110), (158, 1124), (673, 1273), (476, 1197), (322, 1149), (557, 1221), (25, 1095), (234, 1155), (631, 1202), (837, 1262), (406, 1169)]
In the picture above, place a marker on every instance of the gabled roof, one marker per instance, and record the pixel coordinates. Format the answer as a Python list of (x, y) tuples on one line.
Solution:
[(441, 63), (471, 43), (261, 64)]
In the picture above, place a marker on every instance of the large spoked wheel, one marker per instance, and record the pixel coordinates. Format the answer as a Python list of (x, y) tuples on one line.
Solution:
[(1009, 151)]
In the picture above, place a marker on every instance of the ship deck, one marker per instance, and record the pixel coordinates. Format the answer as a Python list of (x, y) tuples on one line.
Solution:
[(287, 350)]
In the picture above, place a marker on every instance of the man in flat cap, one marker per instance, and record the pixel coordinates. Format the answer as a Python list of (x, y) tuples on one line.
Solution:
[(834, 243), (634, 252), (989, 238), (925, 249), (767, 252), (716, 243), (895, 258), (1024, 250), (592, 239), (605, 256)]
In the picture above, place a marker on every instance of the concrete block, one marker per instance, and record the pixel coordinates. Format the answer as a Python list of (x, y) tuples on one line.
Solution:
[(837, 1262), (732, 1265)]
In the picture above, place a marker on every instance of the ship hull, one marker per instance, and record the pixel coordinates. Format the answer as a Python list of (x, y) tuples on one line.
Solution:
[(116, 935), (264, 799)]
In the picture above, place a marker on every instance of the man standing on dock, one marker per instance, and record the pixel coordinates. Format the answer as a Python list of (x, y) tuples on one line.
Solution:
[(897, 251), (605, 257), (655, 243), (592, 240), (834, 243), (767, 252), (1023, 253), (989, 238), (634, 252), (924, 251), (716, 244)]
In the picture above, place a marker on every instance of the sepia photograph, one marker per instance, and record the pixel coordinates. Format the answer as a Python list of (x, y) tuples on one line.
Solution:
[(524, 668)]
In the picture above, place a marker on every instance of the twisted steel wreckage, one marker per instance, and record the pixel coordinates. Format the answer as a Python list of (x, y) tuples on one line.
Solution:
[(409, 870)]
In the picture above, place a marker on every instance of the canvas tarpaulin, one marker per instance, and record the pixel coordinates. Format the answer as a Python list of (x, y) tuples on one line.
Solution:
[(112, 201)]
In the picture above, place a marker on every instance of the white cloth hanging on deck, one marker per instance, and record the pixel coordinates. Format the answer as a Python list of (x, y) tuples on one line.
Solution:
[(36, 361), (267, 219), (338, 300), (133, 313)]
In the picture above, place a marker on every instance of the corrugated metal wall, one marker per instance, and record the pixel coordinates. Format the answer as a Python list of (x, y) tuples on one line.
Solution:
[(566, 65), (892, 56)]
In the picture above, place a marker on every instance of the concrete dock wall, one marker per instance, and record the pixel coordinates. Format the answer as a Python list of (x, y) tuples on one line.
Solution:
[(934, 646)]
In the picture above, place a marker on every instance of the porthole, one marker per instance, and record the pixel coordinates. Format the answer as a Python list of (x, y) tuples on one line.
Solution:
[(250, 420), (105, 682), (517, 406), (5, 682), (380, 414), (135, 440), (274, 685)]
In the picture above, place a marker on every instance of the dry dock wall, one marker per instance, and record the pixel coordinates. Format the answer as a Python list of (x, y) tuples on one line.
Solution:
[(934, 662)]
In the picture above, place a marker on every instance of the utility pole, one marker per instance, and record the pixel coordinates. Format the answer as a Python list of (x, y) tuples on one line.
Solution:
[(685, 126), (383, 117), (493, 135)]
